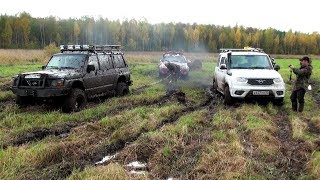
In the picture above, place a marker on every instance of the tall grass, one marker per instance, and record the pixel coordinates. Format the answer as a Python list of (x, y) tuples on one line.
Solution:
[(22, 56)]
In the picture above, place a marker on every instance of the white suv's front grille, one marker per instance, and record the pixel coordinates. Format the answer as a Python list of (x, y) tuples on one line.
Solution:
[(260, 81)]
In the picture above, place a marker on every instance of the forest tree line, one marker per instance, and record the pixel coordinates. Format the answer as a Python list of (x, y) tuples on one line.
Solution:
[(24, 31)]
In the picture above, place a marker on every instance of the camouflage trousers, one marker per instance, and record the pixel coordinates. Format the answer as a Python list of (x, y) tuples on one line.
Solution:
[(297, 98)]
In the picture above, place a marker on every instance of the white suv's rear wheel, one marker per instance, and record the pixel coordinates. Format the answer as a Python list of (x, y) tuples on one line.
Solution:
[(228, 100)]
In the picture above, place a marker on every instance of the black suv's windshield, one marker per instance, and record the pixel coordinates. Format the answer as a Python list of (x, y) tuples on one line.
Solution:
[(179, 59), (250, 62), (67, 61)]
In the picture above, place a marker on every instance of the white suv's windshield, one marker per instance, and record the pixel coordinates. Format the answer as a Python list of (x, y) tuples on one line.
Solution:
[(250, 62), (67, 61)]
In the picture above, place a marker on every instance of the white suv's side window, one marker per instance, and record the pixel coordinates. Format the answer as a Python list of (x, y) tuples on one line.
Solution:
[(222, 61), (218, 61)]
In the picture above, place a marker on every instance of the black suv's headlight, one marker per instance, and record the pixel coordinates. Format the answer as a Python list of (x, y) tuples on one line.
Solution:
[(57, 83)]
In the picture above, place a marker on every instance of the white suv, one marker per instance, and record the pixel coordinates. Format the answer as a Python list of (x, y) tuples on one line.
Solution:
[(248, 73)]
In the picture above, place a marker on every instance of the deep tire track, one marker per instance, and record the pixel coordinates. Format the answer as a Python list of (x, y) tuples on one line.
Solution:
[(39, 133), (97, 154), (121, 143), (294, 154)]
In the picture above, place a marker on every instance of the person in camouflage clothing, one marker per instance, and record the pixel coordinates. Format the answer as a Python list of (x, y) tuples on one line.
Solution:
[(174, 70), (301, 84)]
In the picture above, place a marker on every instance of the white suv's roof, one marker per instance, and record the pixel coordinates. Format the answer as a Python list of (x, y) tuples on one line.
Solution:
[(246, 53)]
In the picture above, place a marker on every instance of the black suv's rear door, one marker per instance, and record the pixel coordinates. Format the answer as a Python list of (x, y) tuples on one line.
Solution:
[(109, 74), (120, 65)]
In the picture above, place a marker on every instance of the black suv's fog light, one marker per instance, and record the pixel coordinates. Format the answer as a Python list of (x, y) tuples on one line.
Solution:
[(279, 92), (239, 92)]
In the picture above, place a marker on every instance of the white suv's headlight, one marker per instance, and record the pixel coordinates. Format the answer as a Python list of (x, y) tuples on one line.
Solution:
[(277, 80), (242, 79)]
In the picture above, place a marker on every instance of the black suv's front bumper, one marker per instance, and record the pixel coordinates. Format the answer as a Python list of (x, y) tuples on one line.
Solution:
[(40, 92)]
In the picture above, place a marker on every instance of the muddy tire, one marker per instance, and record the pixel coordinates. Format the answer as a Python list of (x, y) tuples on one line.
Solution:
[(122, 89), (228, 100), (278, 102), (75, 101), (185, 77), (22, 101), (215, 86)]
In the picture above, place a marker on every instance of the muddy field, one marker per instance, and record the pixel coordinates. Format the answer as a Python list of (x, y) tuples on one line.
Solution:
[(159, 133)]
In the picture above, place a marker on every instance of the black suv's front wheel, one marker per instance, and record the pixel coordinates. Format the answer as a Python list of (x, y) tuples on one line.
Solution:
[(75, 101), (122, 89), (22, 101)]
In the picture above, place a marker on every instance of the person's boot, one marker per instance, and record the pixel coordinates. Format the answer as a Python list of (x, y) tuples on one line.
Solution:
[(301, 106), (294, 106)]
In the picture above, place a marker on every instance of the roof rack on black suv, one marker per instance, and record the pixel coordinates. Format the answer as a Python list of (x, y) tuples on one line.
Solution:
[(77, 73), (90, 48)]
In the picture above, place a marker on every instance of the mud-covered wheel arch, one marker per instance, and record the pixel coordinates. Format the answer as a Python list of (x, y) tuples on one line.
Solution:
[(122, 89), (75, 101)]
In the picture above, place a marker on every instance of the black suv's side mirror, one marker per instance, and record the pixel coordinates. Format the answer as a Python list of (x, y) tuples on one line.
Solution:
[(90, 68), (223, 67), (43, 67), (276, 67)]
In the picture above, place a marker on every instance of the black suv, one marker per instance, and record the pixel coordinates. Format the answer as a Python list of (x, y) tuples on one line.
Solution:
[(75, 74)]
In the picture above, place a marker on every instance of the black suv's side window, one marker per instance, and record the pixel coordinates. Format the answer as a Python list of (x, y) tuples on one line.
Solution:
[(94, 61), (105, 62), (118, 60)]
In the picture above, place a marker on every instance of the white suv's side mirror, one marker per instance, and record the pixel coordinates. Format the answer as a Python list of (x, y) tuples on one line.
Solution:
[(276, 67), (223, 66)]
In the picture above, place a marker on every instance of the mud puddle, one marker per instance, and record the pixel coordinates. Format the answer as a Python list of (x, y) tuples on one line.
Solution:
[(37, 134)]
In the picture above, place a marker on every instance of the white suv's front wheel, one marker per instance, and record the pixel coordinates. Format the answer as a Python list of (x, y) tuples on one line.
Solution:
[(228, 100)]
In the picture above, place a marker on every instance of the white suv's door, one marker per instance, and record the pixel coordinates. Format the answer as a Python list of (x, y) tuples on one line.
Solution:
[(220, 75)]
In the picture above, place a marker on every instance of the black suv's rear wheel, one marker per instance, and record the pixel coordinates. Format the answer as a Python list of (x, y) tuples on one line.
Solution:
[(228, 100), (75, 101), (122, 89)]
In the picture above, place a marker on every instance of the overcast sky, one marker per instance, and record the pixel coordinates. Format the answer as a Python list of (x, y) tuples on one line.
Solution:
[(283, 15)]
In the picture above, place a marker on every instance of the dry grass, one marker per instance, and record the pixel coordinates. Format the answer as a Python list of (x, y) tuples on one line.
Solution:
[(22, 56), (223, 159), (314, 165), (6, 95), (109, 172)]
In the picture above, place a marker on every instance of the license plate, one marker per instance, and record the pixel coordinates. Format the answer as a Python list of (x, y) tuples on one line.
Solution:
[(260, 93), (32, 76)]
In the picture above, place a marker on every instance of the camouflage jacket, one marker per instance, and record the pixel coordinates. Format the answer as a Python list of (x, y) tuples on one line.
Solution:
[(173, 68), (303, 76)]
